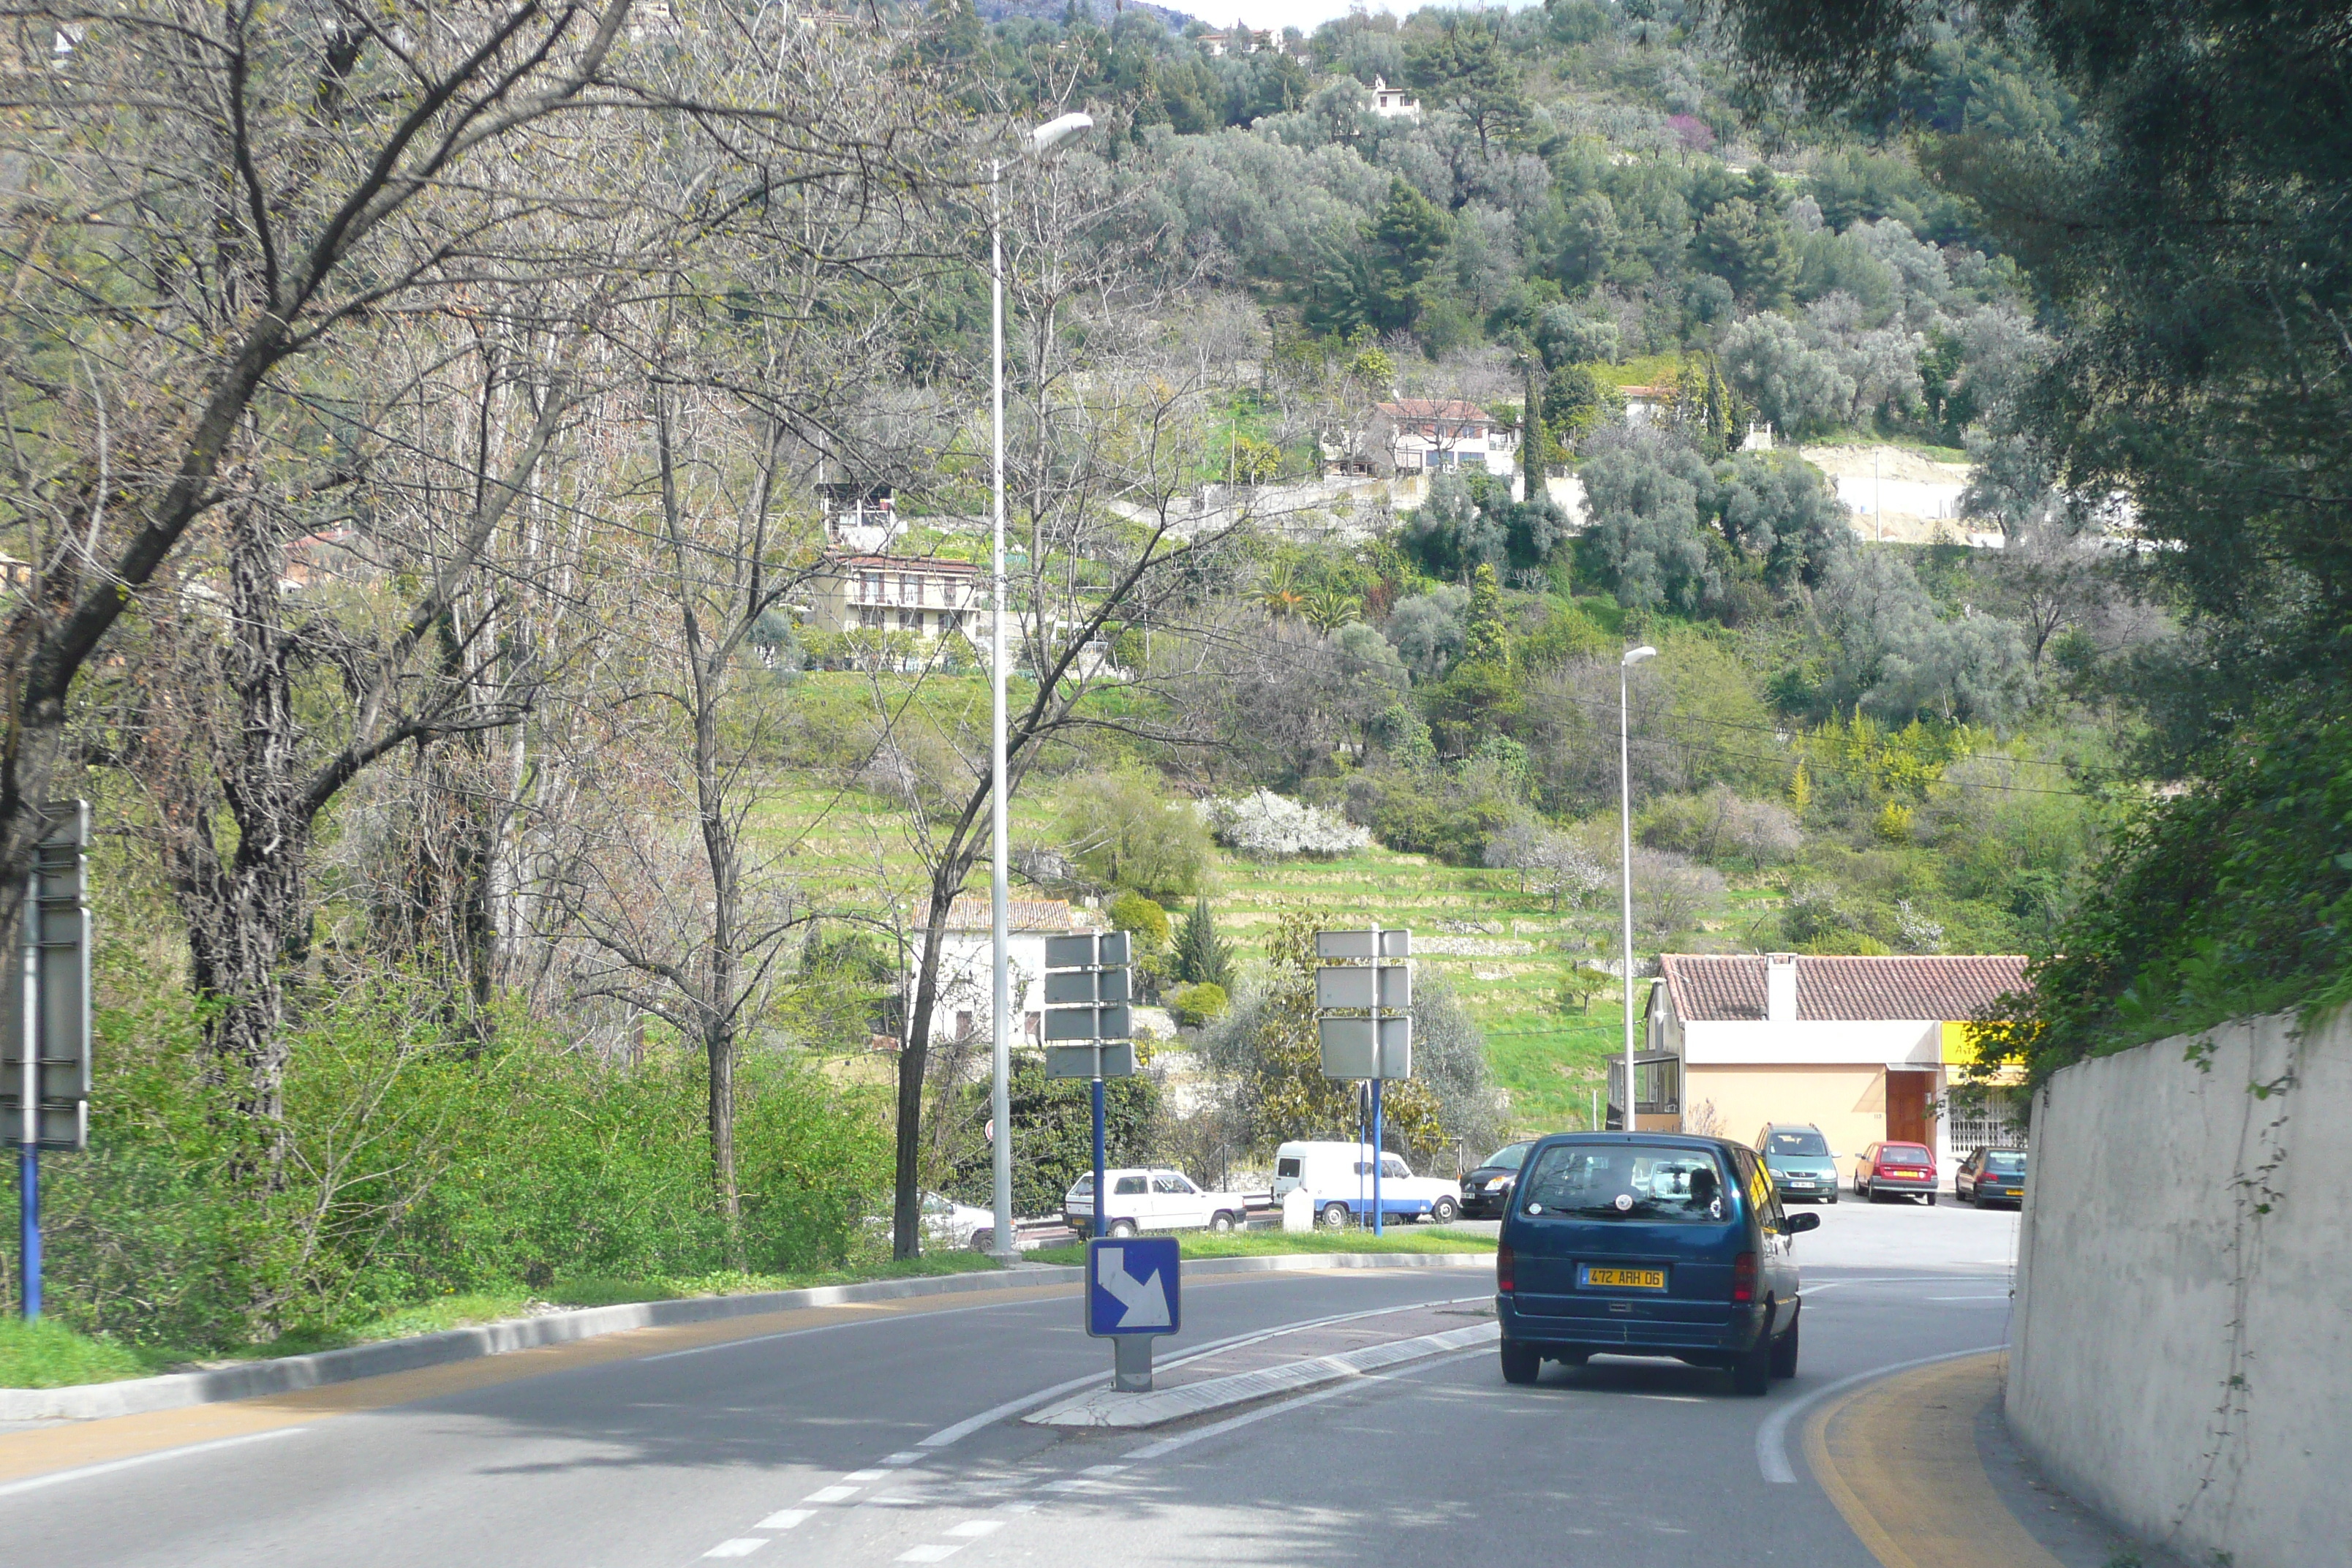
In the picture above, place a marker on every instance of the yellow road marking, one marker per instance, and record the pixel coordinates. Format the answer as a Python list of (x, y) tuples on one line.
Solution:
[(44, 1450), (1899, 1459)]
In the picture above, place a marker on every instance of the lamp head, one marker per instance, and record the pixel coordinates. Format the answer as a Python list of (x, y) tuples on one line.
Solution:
[(1053, 132), (1635, 656)]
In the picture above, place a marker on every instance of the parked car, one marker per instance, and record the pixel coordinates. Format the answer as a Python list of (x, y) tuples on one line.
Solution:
[(1486, 1191), (946, 1223), (1338, 1179), (1904, 1170), (1991, 1176), (1800, 1160), (1649, 1244), (1152, 1199)]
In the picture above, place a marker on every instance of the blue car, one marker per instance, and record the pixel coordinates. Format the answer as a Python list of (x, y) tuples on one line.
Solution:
[(1648, 1244)]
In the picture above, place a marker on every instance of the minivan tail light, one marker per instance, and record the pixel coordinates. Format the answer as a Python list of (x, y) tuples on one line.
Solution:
[(1743, 1278), (1502, 1262)]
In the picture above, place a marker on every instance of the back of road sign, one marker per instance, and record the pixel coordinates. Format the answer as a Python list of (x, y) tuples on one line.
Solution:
[(1131, 1285)]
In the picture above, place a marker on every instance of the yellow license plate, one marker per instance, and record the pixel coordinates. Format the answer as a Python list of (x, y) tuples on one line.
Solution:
[(1627, 1279)]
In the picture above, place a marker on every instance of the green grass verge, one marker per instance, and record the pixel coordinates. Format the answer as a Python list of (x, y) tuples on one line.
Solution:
[(47, 1354), (1266, 1244), (50, 1355)]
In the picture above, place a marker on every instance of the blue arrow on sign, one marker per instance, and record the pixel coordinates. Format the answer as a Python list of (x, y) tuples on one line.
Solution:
[(1131, 1285)]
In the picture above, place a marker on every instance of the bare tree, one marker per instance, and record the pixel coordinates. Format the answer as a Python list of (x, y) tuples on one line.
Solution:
[(207, 202)]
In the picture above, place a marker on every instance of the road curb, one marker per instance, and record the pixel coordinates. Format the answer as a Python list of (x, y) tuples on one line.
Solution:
[(287, 1374)]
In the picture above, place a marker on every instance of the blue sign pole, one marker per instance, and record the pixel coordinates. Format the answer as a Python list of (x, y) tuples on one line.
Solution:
[(1102, 1198), (1376, 1146), (28, 1172)]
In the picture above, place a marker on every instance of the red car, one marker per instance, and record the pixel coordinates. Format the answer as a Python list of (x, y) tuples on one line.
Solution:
[(1907, 1169)]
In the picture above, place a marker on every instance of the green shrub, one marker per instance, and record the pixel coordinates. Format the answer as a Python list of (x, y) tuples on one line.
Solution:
[(1133, 912), (1198, 1003)]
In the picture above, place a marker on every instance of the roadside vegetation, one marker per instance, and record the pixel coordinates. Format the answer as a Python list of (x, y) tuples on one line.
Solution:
[(524, 870)]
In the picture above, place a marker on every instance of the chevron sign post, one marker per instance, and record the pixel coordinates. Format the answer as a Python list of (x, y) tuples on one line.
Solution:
[(1132, 1296)]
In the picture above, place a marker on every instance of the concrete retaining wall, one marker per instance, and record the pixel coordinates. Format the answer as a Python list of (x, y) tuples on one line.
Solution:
[(2182, 1360)]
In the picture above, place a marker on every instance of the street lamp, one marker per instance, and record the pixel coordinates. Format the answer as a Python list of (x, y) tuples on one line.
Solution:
[(1041, 139), (1625, 849)]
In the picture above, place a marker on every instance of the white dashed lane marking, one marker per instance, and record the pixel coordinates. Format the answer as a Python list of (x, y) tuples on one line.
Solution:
[(743, 1546), (830, 1494), (977, 1527), (929, 1554), (864, 1475), (783, 1518)]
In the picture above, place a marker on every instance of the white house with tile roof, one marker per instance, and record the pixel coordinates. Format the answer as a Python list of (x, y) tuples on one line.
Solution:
[(967, 953)]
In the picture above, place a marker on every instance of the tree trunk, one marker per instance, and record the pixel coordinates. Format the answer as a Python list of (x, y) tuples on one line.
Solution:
[(915, 1045)]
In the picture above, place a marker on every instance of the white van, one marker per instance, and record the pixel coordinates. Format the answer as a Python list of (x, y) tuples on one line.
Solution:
[(1338, 1179), (1142, 1198)]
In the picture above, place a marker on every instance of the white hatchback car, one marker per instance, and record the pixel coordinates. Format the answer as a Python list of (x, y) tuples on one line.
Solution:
[(1150, 1199)]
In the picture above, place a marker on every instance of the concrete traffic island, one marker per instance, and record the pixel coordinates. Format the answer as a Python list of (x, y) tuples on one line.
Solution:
[(1286, 1361)]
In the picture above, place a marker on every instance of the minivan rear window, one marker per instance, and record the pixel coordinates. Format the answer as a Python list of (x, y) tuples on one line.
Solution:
[(1810, 1143), (1651, 1183)]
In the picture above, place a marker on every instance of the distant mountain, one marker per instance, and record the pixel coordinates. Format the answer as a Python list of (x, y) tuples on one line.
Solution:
[(1054, 10)]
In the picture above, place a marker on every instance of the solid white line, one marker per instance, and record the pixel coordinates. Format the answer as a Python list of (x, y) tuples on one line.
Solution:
[(966, 1427), (1771, 1437), (1170, 1445), (58, 1477), (2001, 1298)]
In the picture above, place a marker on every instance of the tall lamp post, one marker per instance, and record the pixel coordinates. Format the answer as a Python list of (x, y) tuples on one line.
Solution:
[(1041, 139), (1625, 849)]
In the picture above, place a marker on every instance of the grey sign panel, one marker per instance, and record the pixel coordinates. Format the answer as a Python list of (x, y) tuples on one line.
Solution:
[(1353, 987), (1078, 1061), (1070, 951), (1067, 987), (1113, 949), (57, 924), (1358, 944), (1084, 987), (1349, 1051), (1106, 1023)]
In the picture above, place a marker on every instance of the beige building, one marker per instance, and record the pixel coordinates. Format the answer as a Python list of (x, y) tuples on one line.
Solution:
[(921, 594), (1864, 1048)]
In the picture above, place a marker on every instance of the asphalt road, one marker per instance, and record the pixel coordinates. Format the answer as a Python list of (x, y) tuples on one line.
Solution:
[(811, 1447)]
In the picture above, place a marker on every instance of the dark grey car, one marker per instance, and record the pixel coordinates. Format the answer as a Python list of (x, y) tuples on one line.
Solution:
[(1800, 1160)]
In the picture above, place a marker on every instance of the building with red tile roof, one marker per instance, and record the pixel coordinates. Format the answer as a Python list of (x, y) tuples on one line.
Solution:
[(1866, 1049)]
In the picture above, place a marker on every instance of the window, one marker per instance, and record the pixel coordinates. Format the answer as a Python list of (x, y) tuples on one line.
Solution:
[(1811, 1144), (1393, 1168), (1473, 459), (1167, 1182), (1646, 1183), (870, 586), (963, 1030), (1128, 1187), (910, 590), (869, 618), (1287, 1167), (2008, 1163), (1509, 1158)]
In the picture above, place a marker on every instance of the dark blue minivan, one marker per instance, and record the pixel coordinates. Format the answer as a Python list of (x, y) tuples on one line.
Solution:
[(1648, 1244)]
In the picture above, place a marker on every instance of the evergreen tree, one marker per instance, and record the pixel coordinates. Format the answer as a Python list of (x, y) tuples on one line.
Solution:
[(1200, 958), (1487, 639), (1408, 239)]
